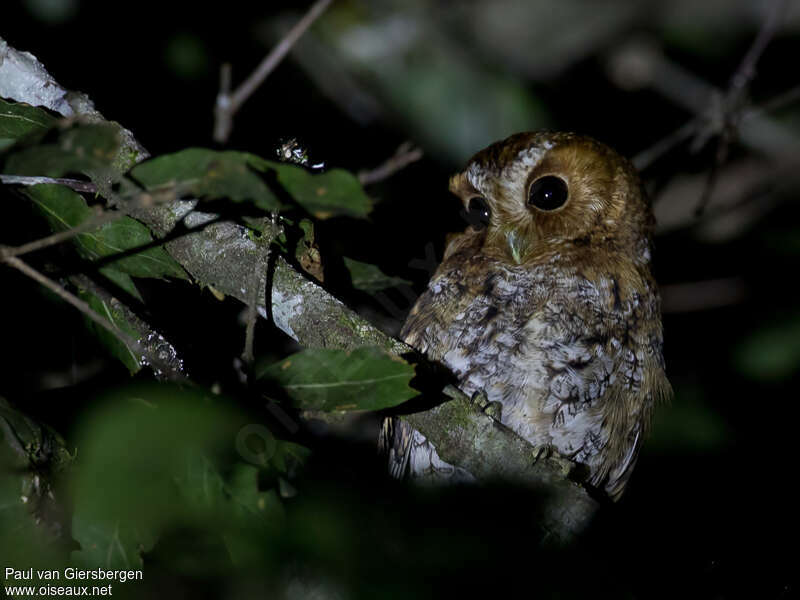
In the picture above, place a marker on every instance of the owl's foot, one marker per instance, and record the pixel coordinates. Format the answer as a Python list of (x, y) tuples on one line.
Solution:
[(548, 452), (542, 452), (493, 409)]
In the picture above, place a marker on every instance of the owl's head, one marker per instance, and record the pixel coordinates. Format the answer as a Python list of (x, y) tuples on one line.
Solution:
[(536, 193)]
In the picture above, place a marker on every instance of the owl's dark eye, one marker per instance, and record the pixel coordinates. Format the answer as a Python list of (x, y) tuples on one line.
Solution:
[(548, 193), (478, 213)]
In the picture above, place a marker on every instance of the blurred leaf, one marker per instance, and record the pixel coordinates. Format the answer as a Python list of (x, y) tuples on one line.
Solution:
[(157, 460), (65, 209), (448, 101), (29, 454), (687, 424), (109, 544), (208, 174), (131, 450), (338, 380), (18, 121), (114, 345), (186, 56), (203, 485), (289, 457), (34, 444), (89, 149), (370, 278), (52, 12), (771, 353)]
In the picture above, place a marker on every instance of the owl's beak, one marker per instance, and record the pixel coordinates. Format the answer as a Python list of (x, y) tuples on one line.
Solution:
[(517, 245)]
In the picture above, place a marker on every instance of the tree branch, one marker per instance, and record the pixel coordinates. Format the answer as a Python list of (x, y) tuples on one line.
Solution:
[(228, 104), (405, 155), (221, 254)]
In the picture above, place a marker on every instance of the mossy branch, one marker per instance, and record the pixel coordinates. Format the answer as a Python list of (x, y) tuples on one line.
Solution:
[(222, 254)]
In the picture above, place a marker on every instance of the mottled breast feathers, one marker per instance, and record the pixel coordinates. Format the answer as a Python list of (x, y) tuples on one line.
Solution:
[(548, 304)]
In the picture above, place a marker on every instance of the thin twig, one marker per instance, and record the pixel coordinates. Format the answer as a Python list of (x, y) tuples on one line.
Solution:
[(781, 100), (256, 283), (733, 103), (74, 301), (647, 157), (229, 104), (223, 115), (702, 295), (100, 218), (405, 154), (747, 68), (75, 184)]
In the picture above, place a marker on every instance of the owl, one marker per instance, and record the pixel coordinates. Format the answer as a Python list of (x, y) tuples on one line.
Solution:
[(547, 305)]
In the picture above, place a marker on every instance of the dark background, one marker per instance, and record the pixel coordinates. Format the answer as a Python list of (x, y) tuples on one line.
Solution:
[(710, 511)]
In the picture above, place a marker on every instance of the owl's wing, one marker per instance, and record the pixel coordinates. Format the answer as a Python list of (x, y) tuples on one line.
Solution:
[(598, 392), (394, 442)]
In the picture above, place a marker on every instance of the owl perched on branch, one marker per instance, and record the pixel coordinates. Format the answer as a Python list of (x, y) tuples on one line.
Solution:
[(546, 304)]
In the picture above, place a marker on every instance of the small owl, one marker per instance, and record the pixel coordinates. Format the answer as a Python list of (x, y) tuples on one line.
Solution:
[(546, 304)]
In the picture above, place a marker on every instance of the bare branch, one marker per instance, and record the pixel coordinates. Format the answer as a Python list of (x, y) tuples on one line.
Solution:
[(132, 344), (734, 100), (747, 68), (223, 113), (228, 104), (702, 295), (101, 217), (647, 157), (75, 184), (152, 349), (405, 155)]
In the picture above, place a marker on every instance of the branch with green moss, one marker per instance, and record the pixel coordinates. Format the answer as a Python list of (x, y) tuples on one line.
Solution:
[(222, 254)]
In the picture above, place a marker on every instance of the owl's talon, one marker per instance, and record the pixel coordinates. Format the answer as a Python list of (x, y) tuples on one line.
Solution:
[(494, 410), (543, 451), (480, 399)]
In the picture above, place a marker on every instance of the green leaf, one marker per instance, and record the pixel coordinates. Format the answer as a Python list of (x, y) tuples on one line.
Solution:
[(115, 346), (18, 121), (234, 175), (122, 280), (238, 497), (65, 209), (334, 193), (156, 463), (88, 149), (132, 447), (688, 424), (29, 453), (109, 544), (338, 380), (771, 353), (207, 174), (369, 278)]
